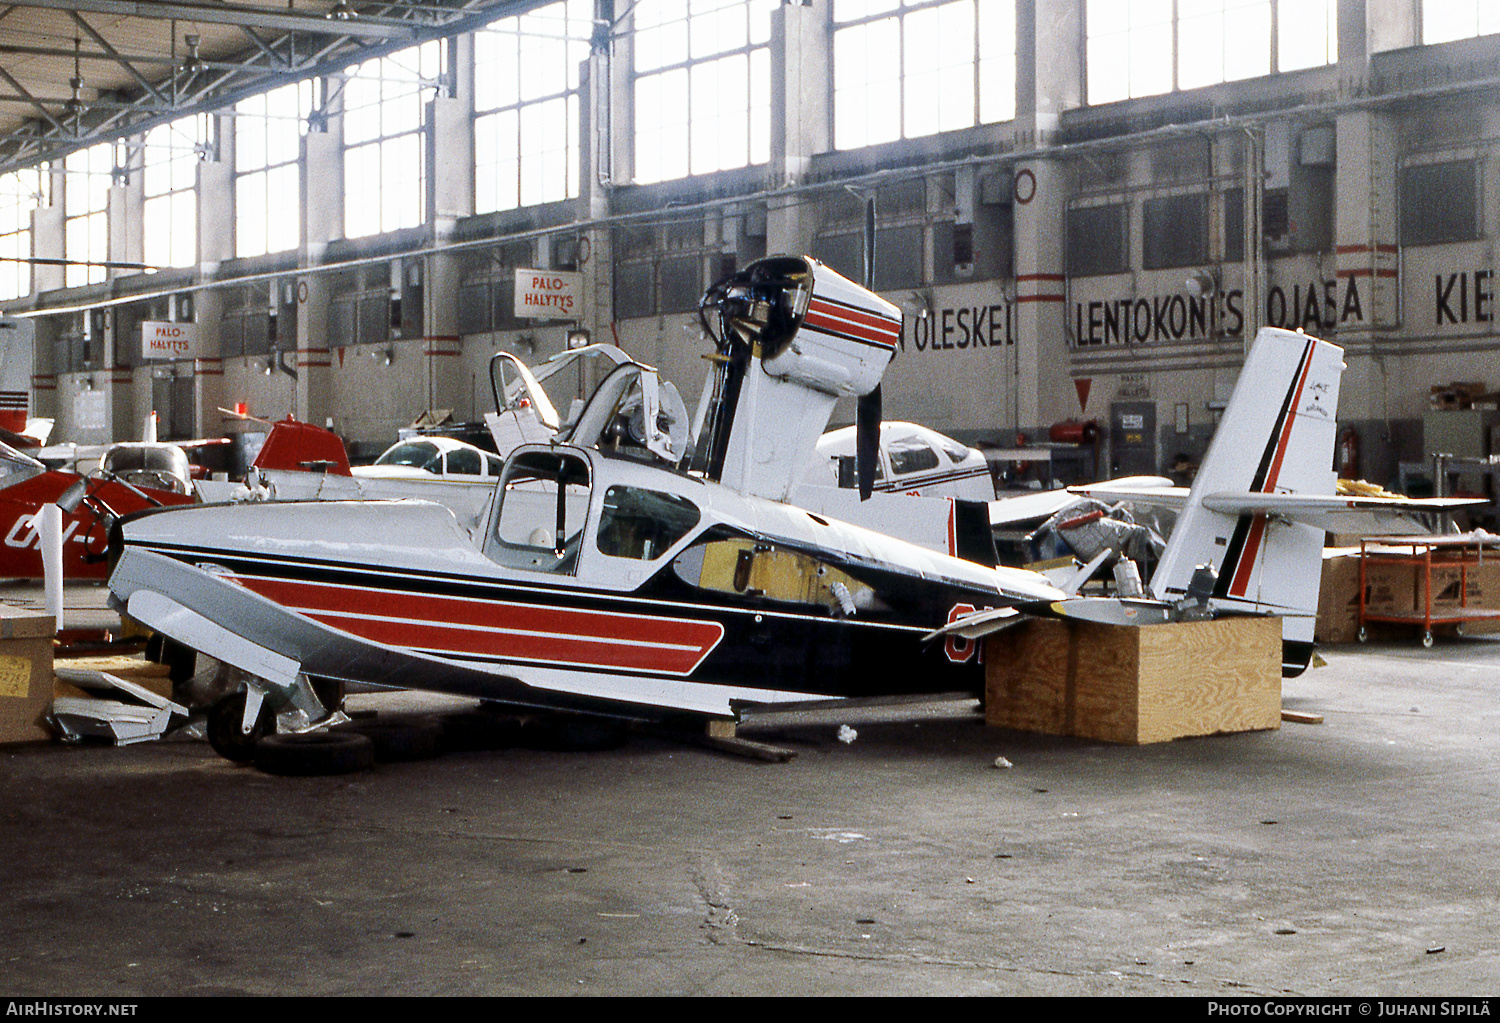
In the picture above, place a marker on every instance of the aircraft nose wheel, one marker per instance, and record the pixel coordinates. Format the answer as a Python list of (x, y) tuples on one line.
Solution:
[(225, 734), (1427, 639)]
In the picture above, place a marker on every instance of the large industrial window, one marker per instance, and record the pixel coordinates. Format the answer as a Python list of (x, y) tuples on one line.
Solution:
[(1174, 231), (267, 136), (526, 103), (702, 86), (1439, 202), (170, 171), (1097, 240), (1149, 47), (87, 176), (909, 68), (384, 182), (1445, 20), (20, 193)]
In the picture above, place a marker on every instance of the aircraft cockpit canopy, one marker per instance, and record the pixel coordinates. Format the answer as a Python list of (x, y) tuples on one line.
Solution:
[(159, 466)]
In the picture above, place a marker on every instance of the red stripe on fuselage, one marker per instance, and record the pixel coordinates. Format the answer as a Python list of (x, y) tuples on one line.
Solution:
[(866, 327), (503, 629)]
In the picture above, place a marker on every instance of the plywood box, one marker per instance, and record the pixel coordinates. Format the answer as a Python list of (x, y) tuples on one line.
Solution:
[(25, 674), (1135, 684)]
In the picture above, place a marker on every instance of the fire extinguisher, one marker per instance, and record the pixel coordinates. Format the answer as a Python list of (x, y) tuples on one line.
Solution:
[(1348, 454)]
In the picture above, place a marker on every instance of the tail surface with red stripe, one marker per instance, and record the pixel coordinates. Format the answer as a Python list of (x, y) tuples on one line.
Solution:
[(1276, 437)]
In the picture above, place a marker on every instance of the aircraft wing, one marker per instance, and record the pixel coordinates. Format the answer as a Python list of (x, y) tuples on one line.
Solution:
[(1340, 514), (1111, 491), (1034, 508), (1028, 509)]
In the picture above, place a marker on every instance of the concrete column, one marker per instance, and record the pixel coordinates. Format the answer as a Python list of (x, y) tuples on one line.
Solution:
[(1049, 67), (46, 243), (322, 188), (116, 215), (314, 362), (442, 346), (1042, 360), (593, 203), (1049, 80), (1388, 25), (215, 244), (801, 117), (1365, 233)]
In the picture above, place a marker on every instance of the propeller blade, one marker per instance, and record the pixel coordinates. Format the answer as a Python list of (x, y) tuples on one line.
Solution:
[(867, 441)]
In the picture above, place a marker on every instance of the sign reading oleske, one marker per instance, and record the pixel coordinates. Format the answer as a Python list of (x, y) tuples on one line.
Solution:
[(160, 340), (549, 294)]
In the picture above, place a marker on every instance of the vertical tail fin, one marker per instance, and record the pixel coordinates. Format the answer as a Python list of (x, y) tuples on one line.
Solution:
[(1276, 437)]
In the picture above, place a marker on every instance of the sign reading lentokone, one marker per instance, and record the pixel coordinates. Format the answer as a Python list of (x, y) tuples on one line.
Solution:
[(549, 294), (161, 340)]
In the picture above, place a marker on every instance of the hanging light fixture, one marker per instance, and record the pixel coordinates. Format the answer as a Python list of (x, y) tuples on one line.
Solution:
[(341, 11), (194, 65)]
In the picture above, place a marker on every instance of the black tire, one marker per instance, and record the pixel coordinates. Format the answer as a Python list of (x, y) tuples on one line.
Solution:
[(224, 733), (477, 731), (566, 733), (313, 753), (397, 741), (182, 660)]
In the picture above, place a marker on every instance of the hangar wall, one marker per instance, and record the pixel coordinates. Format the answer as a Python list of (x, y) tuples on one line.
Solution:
[(1043, 263)]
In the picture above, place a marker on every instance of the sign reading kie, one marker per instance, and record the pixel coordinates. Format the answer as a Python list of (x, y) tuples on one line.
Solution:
[(549, 294), (161, 340)]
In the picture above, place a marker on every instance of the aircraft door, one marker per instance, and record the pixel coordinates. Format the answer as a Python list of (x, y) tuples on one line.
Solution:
[(541, 517), (1132, 438)]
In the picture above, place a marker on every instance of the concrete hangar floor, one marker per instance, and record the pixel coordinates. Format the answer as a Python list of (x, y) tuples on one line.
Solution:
[(1352, 857)]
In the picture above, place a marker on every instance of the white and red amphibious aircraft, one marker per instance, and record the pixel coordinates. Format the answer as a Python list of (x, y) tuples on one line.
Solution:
[(618, 573)]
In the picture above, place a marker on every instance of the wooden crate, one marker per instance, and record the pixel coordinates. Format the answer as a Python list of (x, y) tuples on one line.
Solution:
[(1135, 684), (25, 674)]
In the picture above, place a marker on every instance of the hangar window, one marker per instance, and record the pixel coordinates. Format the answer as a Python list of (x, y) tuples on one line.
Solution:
[(267, 183), (1439, 202), (1209, 41), (87, 176), (20, 193), (1446, 20), (1175, 231), (170, 171), (1097, 240), (702, 86), (526, 102), (384, 99), (909, 68)]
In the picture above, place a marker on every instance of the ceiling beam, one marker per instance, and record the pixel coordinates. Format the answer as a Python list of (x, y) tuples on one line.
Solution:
[(104, 45), (230, 14)]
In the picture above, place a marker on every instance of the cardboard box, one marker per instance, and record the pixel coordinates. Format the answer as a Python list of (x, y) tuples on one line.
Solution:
[(1135, 684), (25, 674), (1338, 598)]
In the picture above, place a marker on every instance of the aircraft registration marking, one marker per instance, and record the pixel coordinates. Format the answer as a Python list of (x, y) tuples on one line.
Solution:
[(506, 629)]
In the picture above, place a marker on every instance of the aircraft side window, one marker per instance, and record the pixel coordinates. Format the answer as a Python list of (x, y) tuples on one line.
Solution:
[(911, 454), (420, 454), (641, 524), (492, 465), (464, 461), (954, 450), (544, 502)]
